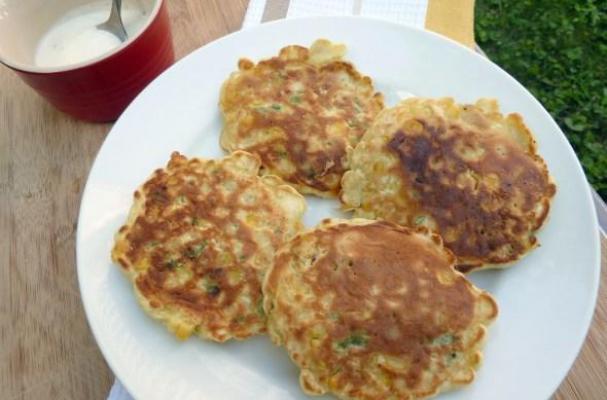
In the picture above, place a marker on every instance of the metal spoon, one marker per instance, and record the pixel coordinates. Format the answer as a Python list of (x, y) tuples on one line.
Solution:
[(114, 24)]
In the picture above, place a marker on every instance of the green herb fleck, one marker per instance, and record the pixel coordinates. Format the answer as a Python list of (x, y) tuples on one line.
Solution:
[(354, 340), (295, 99), (266, 109), (212, 288), (334, 316), (260, 310), (443, 340), (420, 220), (280, 76), (357, 105), (195, 251), (152, 244)]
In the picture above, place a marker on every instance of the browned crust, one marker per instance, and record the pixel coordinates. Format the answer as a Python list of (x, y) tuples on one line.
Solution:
[(414, 279), (152, 248), (466, 171), (487, 219), (316, 170)]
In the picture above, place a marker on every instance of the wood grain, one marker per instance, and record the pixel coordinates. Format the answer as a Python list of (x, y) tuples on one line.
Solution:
[(47, 350), (587, 379)]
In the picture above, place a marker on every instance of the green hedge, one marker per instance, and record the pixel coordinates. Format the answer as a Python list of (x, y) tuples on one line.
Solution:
[(558, 50)]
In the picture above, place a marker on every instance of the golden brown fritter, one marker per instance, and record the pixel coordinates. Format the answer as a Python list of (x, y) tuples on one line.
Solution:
[(198, 240), (467, 172), (299, 112), (371, 310)]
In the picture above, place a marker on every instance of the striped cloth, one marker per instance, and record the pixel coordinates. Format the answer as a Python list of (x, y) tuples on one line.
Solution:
[(410, 12)]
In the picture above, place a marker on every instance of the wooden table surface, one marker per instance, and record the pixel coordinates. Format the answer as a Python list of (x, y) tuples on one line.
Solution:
[(47, 350)]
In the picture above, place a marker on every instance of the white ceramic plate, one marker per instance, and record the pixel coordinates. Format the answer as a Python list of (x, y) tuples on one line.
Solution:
[(546, 301)]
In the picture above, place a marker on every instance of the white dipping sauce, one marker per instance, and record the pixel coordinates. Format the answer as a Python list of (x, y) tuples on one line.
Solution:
[(75, 37)]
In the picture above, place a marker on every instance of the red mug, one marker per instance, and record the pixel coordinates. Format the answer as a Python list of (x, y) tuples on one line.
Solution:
[(98, 89)]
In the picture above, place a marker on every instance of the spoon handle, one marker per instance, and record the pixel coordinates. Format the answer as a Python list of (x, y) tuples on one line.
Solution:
[(116, 20)]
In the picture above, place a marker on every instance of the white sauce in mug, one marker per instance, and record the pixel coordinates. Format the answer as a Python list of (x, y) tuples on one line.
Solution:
[(75, 37)]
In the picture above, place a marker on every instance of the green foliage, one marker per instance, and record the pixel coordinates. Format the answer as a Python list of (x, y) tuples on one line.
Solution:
[(558, 50)]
